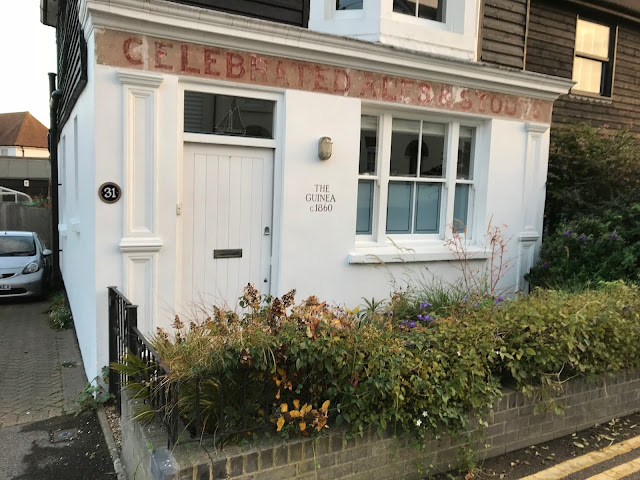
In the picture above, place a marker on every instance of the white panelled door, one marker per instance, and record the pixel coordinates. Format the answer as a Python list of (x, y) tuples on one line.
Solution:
[(228, 209)]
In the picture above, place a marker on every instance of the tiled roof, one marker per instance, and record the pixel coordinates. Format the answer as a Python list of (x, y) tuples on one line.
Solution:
[(23, 130)]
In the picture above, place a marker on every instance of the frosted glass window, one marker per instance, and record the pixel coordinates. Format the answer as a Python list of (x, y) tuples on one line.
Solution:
[(593, 61), (428, 208), (364, 222), (399, 207), (592, 39)]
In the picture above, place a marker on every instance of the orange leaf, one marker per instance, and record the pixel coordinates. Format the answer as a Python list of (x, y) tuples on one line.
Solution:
[(278, 395), (325, 406), (296, 403), (280, 424), (294, 414), (284, 407), (303, 426)]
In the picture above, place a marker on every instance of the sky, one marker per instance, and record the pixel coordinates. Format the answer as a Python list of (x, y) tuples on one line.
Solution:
[(27, 54)]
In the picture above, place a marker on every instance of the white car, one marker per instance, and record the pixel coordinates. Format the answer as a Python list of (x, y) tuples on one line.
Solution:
[(25, 265)]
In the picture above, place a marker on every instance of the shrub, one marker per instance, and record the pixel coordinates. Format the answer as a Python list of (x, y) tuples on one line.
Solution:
[(426, 374), (590, 250), (591, 170)]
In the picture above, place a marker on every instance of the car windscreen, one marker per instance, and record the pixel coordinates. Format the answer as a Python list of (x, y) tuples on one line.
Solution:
[(17, 246)]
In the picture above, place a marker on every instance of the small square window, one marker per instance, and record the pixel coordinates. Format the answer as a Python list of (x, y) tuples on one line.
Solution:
[(349, 4), (429, 9), (593, 60)]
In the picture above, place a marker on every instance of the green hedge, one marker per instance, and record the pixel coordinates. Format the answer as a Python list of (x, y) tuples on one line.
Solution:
[(430, 373)]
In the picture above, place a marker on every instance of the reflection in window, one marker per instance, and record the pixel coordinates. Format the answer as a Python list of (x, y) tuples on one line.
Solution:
[(593, 61), (228, 115), (348, 4), (429, 9)]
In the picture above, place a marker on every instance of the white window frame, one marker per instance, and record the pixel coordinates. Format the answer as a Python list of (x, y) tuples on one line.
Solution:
[(379, 236)]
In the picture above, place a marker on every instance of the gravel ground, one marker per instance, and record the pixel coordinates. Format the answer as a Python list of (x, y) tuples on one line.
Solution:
[(114, 423)]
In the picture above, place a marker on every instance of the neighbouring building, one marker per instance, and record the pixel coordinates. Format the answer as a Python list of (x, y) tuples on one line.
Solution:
[(322, 145), (24, 156), (596, 43)]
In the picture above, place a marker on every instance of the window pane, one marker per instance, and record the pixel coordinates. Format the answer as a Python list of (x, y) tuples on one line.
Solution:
[(465, 155), (430, 9), (461, 207), (588, 74), (227, 115), (405, 6), (592, 39), (364, 221), (368, 145), (399, 211), (348, 4), (428, 208), (404, 148), (432, 150)]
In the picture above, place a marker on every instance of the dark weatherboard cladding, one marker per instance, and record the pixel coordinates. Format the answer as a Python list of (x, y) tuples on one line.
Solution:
[(503, 32), (72, 58), (292, 12)]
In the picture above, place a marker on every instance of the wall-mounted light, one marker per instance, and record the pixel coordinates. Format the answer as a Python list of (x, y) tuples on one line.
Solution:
[(325, 147)]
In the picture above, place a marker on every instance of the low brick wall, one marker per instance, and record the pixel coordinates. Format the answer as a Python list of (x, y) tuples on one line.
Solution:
[(513, 424)]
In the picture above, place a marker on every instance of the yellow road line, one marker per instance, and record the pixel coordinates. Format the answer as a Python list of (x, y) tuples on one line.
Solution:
[(574, 465), (620, 471)]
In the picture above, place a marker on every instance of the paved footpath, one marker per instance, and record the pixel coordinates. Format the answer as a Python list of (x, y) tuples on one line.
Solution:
[(41, 377)]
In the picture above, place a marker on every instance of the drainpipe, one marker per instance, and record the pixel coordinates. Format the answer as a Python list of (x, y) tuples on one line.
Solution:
[(53, 153)]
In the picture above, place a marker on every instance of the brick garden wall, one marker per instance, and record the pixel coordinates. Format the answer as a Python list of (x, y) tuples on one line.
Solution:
[(513, 424)]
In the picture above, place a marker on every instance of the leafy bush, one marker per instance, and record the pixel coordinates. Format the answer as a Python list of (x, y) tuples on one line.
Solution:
[(428, 373), (591, 170), (590, 250)]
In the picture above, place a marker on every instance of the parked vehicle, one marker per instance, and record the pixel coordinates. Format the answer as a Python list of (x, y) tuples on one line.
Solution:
[(25, 264)]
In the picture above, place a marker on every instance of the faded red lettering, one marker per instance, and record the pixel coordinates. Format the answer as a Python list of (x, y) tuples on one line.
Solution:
[(162, 53), (185, 60), (483, 97), (403, 90), (281, 74), (261, 68), (210, 60), (342, 85), (301, 74), (446, 98), (385, 90), (466, 103), (426, 93), (368, 86), (496, 103), (536, 110), (126, 49), (319, 79), (511, 106), (235, 65)]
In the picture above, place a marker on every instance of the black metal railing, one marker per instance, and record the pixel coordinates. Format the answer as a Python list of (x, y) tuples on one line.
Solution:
[(198, 408)]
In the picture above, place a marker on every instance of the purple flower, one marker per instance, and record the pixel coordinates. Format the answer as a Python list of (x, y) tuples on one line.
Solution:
[(613, 236), (391, 314), (425, 317), (499, 300), (412, 324), (477, 304), (567, 233), (545, 265), (582, 237), (465, 298), (424, 305)]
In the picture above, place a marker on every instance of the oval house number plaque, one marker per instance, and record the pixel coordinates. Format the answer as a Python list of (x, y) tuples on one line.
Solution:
[(110, 192)]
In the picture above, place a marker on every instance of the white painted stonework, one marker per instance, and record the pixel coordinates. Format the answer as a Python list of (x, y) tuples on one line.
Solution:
[(186, 195)]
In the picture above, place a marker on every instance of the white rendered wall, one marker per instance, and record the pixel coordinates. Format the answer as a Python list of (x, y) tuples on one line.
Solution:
[(78, 219), (31, 152), (315, 246)]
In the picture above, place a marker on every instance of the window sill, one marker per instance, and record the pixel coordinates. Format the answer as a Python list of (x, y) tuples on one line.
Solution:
[(371, 253)]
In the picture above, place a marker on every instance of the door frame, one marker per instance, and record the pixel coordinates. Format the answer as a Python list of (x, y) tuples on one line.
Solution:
[(223, 88)]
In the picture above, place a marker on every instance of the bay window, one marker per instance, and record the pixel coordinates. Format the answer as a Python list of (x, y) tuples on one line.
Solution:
[(415, 178)]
